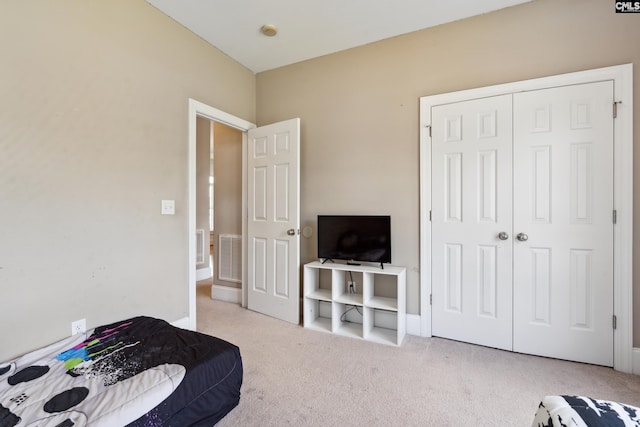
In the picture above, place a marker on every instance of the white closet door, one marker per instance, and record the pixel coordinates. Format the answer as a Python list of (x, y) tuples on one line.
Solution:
[(471, 152), (563, 203)]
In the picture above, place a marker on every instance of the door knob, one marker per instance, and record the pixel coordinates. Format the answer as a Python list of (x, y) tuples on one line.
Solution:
[(522, 237), (503, 236), (291, 232)]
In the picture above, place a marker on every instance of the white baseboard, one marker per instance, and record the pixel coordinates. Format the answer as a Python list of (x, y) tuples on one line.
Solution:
[(182, 323), (204, 273), (226, 293), (413, 324), (636, 361)]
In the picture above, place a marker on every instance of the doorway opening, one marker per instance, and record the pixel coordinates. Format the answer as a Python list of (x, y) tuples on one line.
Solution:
[(203, 111), (271, 198), (219, 209)]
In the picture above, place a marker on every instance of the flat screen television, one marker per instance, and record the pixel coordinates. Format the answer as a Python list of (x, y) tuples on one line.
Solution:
[(354, 238)]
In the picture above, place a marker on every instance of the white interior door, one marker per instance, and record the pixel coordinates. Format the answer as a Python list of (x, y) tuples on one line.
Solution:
[(563, 274), (471, 259), (273, 255)]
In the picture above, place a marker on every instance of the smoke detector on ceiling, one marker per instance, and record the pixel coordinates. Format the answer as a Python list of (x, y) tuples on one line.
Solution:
[(269, 30)]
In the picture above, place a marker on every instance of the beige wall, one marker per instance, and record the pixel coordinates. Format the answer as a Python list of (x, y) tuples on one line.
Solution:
[(227, 197), (204, 133), (359, 108), (94, 123), (93, 134)]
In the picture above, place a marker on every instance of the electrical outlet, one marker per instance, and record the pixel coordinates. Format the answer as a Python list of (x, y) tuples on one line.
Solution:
[(79, 327), (352, 285)]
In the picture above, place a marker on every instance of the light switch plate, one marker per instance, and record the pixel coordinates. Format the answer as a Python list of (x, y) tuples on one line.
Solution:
[(168, 207)]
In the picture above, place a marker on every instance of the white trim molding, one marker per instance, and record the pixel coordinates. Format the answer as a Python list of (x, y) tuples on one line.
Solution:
[(626, 358), (226, 293), (636, 361), (204, 273), (182, 323), (198, 109), (413, 324)]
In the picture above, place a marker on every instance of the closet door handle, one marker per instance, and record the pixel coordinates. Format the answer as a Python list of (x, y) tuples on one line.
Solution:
[(522, 237), (291, 232), (503, 235)]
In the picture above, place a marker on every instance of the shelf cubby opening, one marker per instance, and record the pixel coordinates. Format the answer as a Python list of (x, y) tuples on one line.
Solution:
[(319, 315), (348, 320), (383, 293), (382, 326)]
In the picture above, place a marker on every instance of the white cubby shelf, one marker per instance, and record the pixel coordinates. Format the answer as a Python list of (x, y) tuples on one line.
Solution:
[(375, 310)]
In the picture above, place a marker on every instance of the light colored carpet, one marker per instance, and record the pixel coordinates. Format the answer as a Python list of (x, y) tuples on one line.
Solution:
[(297, 377)]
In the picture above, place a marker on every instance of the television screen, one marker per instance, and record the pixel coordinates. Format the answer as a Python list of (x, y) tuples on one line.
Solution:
[(354, 238)]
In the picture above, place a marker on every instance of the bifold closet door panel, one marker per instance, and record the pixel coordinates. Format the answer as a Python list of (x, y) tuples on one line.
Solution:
[(471, 221), (563, 227)]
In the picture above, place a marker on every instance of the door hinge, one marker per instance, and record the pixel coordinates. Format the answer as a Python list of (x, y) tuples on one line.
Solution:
[(615, 108), (429, 216), (429, 127), (615, 322), (430, 299), (615, 216)]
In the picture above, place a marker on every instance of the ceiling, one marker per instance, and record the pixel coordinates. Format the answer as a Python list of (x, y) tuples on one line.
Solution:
[(311, 28)]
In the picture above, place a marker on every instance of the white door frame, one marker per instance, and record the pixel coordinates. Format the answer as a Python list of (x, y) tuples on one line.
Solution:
[(622, 75), (198, 109)]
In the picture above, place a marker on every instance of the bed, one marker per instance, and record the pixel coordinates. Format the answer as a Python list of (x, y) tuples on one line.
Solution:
[(140, 372), (580, 411)]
